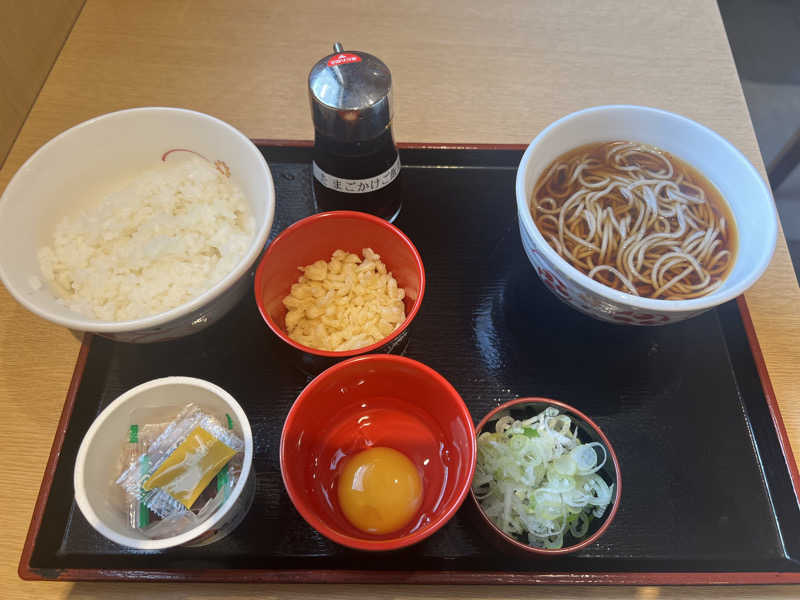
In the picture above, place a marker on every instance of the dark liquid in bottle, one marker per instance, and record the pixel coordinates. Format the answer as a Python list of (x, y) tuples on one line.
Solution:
[(361, 161)]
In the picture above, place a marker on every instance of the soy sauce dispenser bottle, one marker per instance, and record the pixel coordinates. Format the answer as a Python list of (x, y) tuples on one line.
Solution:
[(356, 164)]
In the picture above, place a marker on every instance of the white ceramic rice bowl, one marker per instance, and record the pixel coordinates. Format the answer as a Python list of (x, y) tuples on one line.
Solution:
[(72, 169)]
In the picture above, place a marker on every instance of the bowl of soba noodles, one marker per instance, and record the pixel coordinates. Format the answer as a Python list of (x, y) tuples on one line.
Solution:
[(639, 216)]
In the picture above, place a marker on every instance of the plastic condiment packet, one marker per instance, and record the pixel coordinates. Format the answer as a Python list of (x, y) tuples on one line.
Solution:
[(136, 439), (183, 459), (190, 467)]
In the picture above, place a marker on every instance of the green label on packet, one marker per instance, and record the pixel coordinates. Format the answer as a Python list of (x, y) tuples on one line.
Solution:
[(222, 479), (222, 476), (144, 511)]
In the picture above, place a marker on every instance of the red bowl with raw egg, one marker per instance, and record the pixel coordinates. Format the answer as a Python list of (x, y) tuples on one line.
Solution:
[(316, 238), (370, 402)]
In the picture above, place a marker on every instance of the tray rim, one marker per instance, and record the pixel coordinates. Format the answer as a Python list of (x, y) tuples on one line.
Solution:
[(26, 572)]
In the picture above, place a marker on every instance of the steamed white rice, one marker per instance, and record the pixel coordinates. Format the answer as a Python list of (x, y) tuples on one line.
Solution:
[(159, 241)]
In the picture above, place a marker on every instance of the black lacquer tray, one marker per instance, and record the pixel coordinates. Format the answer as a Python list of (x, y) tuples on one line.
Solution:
[(708, 494)]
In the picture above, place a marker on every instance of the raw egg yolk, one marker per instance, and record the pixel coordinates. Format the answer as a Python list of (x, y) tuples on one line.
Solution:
[(379, 490)]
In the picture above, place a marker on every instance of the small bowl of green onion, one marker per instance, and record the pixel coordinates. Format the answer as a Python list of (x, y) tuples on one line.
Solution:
[(547, 479)]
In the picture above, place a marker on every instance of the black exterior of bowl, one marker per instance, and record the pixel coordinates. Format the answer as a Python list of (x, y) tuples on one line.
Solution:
[(314, 364)]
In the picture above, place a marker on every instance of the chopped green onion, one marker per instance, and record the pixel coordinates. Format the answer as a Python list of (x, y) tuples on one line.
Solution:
[(535, 478)]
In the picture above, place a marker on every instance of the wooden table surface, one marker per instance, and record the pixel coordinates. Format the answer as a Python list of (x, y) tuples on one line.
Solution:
[(465, 71)]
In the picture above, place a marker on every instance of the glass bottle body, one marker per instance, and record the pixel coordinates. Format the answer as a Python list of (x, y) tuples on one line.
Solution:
[(358, 175)]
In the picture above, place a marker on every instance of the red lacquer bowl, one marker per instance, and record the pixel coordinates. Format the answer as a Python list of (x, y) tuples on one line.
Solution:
[(588, 431), (377, 400), (316, 238)]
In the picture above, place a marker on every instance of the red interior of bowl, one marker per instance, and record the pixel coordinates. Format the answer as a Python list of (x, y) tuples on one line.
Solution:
[(377, 400), (316, 238)]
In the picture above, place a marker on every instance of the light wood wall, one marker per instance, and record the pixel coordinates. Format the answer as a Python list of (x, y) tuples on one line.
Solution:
[(31, 35)]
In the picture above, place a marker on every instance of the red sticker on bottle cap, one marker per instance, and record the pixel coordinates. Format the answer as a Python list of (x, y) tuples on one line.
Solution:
[(343, 59)]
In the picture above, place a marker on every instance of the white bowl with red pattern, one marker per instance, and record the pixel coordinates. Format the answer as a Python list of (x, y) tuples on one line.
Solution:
[(746, 193)]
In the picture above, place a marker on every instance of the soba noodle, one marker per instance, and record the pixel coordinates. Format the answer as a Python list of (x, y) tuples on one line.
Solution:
[(637, 219)]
